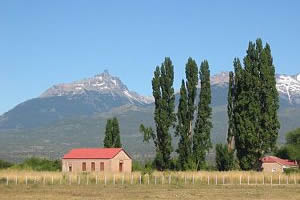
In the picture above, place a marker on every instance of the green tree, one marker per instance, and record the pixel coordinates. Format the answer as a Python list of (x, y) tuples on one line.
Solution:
[(224, 158), (291, 150), (164, 116), (191, 71), (255, 106), (108, 139), (230, 108), (112, 134), (201, 138), (182, 129), (185, 116)]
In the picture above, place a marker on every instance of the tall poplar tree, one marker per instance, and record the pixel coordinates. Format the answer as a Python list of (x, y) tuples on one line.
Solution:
[(201, 138), (255, 106), (230, 107), (112, 134), (108, 140), (164, 116), (185, 115), (191, 71), (182, 129)]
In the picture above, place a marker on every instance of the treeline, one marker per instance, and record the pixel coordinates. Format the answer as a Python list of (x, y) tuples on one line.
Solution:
[(35, 164), (252, 114)]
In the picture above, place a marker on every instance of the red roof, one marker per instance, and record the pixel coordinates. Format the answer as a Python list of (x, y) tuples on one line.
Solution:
[(274, 159), (93, 153)]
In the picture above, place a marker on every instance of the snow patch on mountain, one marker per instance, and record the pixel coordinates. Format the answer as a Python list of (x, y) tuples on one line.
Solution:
[(102, 83), (288, 86)]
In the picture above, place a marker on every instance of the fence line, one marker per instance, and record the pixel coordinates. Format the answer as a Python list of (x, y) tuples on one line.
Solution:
[(122, 179)]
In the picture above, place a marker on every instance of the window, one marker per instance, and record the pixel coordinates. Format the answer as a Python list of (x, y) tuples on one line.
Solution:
[(84, 166), (101, 166), (273, 170), (92, 166), (70, 168)]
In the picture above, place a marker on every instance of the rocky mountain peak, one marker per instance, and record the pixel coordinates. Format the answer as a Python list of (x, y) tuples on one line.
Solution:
[(103, 83)]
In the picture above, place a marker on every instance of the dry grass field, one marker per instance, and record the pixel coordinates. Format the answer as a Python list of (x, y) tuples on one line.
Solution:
[(130, 192), (161, 185)]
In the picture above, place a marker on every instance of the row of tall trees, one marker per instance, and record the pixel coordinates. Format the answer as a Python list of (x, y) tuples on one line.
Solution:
[(252, 107), (194, 139), (253, 103)]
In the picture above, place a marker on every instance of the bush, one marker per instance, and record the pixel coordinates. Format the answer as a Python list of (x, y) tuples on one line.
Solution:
[(224, 158), (40, 164), (137, 166), (291, 171), (4, 164)]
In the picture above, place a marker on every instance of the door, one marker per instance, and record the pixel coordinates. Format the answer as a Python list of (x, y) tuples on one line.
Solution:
[(83, 166), (120, 167), (70, 168), (92, 166), (101, 166)]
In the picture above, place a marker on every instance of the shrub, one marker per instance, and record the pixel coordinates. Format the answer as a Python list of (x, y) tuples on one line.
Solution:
[(291, 171), (4, 164), (137, 166), (224, 158), (40, 164)]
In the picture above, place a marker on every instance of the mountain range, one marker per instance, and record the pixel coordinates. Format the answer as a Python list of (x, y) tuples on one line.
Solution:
[(74, 114)]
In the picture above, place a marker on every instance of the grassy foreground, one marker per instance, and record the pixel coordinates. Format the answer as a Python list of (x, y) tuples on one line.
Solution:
[(149, 192)]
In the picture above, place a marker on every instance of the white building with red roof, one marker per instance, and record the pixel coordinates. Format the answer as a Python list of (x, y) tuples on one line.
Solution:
[(275, 164), (97, 160)]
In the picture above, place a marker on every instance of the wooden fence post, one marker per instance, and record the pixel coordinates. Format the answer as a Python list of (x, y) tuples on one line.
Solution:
[(78, 181), (52, 181), (131, 181), (240, 179), (154, 180), (169, 179), (223, 180), (193, 178), (7, 180), (26, 180), (208, 180), (216, 179), (140, 179), (16, 180), (248, 180), (148, 179), (44, 180), (271, 181), (162, 179), (295, 179), (105, 180), (184, 179)]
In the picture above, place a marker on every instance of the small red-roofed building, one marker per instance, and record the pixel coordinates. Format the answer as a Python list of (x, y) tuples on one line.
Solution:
[(104, 160), (275, 164)]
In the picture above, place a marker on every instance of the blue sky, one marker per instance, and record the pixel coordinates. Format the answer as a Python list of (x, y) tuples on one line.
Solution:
[(48, 42)]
